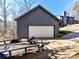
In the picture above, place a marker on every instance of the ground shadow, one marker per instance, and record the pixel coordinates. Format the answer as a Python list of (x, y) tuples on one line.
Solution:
[(71, 35), (68, 35)]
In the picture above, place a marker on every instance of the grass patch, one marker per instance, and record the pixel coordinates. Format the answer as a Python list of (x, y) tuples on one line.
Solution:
[(62, 33)]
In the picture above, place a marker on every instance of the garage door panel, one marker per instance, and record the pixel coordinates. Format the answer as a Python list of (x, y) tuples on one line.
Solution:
[(41, 31)]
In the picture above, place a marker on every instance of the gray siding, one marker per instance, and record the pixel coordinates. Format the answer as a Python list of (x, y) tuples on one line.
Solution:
[(37, 17)]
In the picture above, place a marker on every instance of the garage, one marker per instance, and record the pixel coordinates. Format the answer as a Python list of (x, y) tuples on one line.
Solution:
[(41, 31), (39, 23)]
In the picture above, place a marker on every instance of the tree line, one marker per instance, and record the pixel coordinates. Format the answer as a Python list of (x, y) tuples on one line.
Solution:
[(9, 10)]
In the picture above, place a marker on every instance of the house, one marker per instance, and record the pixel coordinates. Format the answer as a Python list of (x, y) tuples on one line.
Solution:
[(39, 23), (64, 20)]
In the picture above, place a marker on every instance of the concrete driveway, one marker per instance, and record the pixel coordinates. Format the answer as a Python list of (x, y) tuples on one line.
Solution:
[(75, 34)]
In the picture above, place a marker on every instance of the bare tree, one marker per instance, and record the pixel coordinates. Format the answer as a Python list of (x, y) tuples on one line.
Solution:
[(13, 30), (5, 10), (25, 5), (74, 9)]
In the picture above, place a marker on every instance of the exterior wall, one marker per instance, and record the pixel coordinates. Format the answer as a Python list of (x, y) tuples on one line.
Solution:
[(37, 17)]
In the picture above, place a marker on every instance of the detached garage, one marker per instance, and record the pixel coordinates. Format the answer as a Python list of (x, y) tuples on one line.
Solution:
[(39, 23)]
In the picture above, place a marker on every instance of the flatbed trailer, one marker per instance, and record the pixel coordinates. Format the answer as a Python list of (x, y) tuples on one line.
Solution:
[(26, 48)]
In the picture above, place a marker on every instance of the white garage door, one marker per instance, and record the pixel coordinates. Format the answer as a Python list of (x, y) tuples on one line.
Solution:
[(41, 31)]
